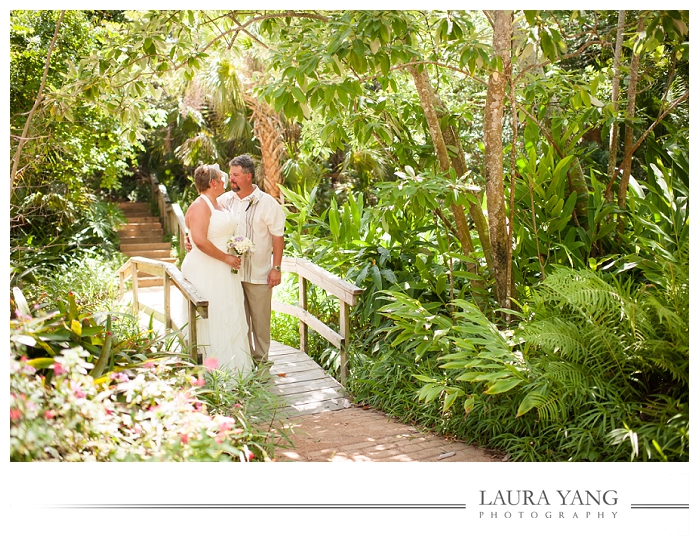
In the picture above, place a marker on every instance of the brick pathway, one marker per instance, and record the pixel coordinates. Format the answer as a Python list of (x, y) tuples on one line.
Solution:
[(357, 434)]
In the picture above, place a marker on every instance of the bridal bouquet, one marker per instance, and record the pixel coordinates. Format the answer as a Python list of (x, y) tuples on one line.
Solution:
[(239, 245)]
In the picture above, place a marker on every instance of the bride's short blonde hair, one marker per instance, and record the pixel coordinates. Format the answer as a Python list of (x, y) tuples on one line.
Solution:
[(204, 174)]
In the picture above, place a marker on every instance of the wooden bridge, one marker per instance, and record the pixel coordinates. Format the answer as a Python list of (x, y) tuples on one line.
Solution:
[(303, 386), (305, 390)]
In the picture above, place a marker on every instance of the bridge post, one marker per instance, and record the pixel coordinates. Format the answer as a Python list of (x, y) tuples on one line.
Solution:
[(193, 330), (166, 300), (303, 304), (345, 333), (134, 290)]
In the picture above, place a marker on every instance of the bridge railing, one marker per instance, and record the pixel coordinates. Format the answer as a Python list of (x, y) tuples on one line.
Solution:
[(346, 292), (171, 276), (306, 271), (171, 214)]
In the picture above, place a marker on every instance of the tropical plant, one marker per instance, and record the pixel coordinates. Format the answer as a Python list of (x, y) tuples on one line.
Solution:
[(40, 332), (593, 357)]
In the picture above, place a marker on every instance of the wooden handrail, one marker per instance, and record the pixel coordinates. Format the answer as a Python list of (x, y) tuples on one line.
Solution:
[(170, 213), (171, 276), (346, 292)]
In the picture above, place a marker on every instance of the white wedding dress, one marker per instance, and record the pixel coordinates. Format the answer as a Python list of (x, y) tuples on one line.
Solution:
[(224, 335)]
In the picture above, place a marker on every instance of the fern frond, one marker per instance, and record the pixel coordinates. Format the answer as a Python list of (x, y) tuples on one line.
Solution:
[(556, 337)]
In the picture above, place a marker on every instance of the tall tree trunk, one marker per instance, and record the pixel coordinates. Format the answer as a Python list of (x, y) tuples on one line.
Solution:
[(614, 133), (268, 129), (423, 86), (458, 162), (495, 192), (628, 131)]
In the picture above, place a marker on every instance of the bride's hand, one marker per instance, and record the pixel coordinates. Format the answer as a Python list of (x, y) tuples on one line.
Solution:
[(233, 261)]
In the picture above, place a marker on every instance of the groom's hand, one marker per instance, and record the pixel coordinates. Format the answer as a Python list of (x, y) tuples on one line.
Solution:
[(274, 278), (187, 243)]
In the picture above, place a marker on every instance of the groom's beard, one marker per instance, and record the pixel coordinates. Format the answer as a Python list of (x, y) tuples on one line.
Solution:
[(235, 187)]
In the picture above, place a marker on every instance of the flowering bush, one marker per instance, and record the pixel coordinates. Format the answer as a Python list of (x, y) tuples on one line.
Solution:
[(147, 413)]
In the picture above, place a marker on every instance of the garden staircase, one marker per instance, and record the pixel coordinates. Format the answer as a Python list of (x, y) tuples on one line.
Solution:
[(142, 235)]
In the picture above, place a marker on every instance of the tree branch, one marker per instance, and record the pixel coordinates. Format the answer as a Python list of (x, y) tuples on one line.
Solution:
[(37, 102)]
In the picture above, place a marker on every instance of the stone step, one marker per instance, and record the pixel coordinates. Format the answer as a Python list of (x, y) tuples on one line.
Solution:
[(140, 219), (145, 224), (131, 205), (137, 247), (137, 212), (139, 232), (139, 238), (155, 255)]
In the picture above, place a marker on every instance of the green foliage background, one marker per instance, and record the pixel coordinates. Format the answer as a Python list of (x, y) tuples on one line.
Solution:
[(591, 364)]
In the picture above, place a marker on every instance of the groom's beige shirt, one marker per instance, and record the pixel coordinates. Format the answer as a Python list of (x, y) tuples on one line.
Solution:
[(259, 217)]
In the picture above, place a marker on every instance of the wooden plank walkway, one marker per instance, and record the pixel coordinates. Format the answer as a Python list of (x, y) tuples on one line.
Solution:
[(308, 401), (302, 385)]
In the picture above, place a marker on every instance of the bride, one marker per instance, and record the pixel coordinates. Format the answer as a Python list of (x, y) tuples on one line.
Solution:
[(208, 266)]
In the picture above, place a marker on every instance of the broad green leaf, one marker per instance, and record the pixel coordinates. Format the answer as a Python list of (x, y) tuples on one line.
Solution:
[(423, 378), (604, 230), (502, 386), (468, 405), (528, 403), (40, 362), (450, 399)]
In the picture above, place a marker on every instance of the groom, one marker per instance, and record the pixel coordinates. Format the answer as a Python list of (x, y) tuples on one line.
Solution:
[(261, 219)]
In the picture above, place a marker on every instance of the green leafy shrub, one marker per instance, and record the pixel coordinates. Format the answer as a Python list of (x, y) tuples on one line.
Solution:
[(59, 324), (596, 365)]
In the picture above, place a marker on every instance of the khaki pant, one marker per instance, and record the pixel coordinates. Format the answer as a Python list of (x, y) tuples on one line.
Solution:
[(258, 311)]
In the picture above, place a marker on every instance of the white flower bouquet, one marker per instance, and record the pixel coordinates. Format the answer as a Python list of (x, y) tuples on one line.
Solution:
[(240, 246)]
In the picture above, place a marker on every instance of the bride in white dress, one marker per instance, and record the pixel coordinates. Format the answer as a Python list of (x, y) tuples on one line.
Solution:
[(224, 335)]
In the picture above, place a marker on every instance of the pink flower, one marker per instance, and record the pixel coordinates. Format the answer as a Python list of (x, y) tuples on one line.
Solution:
[(50, 414), (119, 377), (220, 438), (77, 391), (28, 369), (211, 363), (148, 364), (58, 369), (199, 382), (184, 438), (237, 405), (15, 414), (20, 315)]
